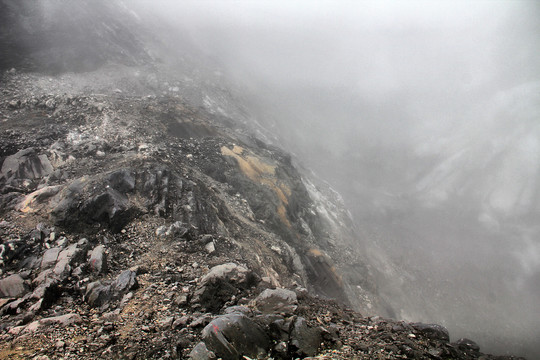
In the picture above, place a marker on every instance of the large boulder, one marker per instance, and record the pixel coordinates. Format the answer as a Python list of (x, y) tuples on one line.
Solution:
[(85, 200), (65, 205), (276, 301), (24, 165), (109, 206), (233, 336), (126, 281), (97, 294), (221, 283), (13, 286), (304, 340)]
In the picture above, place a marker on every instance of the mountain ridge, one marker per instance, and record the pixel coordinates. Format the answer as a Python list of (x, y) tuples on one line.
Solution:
[(137, 209)]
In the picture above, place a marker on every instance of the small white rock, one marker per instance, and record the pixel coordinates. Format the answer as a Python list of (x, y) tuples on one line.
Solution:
[(210, 247)]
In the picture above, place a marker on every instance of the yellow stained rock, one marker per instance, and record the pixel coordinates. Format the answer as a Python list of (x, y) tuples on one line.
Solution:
[(264, 173)]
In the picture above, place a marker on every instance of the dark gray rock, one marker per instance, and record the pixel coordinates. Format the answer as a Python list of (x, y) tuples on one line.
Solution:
[(238, 309), (47, 293), (153, 184), (304, 340), (71, 255), (86, 201), (66, 203), (13, 286), (207, 239), (121, 180), (25, 164), (181, 299), (109, 207), (277, 301), (467, 344), (232, 336), (38, 235), (30, 263), (98, 294), (221, 283), (330, 334), (12, 307), (281, 349), (432, 331), (201, 321), (49, 257), (98, 260), (127, 280), (279, 327)]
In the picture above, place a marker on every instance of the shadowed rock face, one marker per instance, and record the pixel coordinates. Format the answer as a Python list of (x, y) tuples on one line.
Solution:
[(32, 37)]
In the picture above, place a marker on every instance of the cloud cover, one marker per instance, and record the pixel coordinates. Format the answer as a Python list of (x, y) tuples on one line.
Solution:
[(425, 115)]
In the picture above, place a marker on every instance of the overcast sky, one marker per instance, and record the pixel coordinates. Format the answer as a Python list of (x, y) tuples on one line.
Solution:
[(426, 58)]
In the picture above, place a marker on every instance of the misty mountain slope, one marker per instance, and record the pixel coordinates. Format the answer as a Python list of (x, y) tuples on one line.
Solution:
[(161, 188), (448, 215), (143, 215), (499, 156), (467, 210), (424, 116), (120, 210)]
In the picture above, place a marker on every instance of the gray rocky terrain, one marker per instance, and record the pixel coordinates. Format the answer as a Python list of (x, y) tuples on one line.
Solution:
[(143, 216)]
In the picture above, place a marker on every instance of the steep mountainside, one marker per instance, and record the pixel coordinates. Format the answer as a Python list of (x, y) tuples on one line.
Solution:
[(144, 217)]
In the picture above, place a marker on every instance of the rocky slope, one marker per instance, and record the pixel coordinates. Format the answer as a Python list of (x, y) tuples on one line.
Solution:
[(141, 218)]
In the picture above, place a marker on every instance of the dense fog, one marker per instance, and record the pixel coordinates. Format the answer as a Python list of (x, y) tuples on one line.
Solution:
[(425, 116)]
